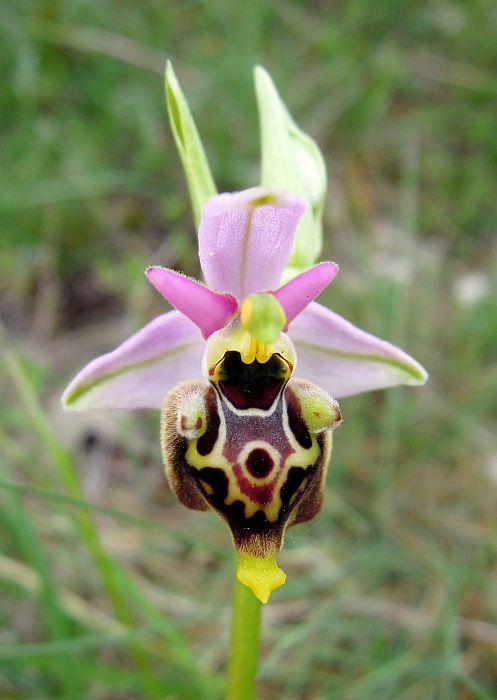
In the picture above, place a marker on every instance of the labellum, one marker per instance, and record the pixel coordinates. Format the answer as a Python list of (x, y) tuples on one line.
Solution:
[(252, 443)]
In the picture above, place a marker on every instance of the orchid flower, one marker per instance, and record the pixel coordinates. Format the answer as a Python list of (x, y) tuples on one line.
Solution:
[(246, 429), (247, 373)]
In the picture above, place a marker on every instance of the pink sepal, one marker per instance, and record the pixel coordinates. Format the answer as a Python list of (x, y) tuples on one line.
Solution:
[(142, 370), (345, 360), (245, 239)]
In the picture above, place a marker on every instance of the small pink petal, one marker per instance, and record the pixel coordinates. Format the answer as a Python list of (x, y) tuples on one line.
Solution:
[(245, 239), (343, 359), (208, 310), (142, 370), (298, 293)]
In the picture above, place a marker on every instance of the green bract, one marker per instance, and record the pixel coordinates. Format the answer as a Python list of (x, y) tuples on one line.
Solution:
[(200, 181)]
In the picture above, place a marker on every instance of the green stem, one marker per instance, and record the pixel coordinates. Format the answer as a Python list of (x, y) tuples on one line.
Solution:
[(244, 643)]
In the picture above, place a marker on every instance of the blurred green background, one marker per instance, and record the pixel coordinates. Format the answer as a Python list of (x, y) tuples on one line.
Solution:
[(109, 589)]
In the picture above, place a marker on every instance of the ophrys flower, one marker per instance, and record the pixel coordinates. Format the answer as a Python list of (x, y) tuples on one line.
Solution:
[(245, 371)]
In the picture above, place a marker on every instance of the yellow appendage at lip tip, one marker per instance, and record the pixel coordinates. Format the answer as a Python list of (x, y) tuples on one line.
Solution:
[(261, 574)]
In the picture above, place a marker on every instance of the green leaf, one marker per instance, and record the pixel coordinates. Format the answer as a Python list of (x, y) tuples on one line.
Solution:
[(291, 160), (198, 175)]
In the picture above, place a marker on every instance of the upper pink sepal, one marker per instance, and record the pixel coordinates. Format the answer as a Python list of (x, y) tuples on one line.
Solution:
[(245, 239), (208, 310), (141, 371), (298, 293)]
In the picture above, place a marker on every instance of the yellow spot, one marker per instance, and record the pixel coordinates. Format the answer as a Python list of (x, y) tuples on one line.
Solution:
[(264, 199), (247, 311), (263, 353), (248, 351), (207, 487), (261, 574)]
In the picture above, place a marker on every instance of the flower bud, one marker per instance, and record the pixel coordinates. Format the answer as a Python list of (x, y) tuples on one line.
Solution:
[(291, 160)]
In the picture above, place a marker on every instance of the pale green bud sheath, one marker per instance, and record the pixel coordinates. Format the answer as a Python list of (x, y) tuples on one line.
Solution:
[(291, 160)]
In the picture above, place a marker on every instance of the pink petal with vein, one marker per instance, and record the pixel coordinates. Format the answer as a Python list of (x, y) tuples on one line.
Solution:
[(141, 371), (343, 359), (208, 310), (245, 239), (298, 293)]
